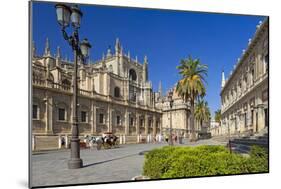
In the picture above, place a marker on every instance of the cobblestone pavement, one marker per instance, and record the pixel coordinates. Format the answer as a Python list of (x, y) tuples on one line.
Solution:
[(109, 165)]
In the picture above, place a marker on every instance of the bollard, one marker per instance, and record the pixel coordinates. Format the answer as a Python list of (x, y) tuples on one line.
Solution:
[(124, 139), (138, 139), (66, 141), (33, 142), (121, 139), (86, 140), (59, 142)]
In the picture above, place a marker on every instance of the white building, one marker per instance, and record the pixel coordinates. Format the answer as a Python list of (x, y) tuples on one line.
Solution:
[(244, 95)]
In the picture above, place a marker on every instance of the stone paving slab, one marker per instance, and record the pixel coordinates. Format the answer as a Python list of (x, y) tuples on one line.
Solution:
[(106, 165)]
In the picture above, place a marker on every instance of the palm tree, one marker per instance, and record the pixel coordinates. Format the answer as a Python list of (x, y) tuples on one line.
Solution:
[(202, 112), (191, 86), (218, 116)]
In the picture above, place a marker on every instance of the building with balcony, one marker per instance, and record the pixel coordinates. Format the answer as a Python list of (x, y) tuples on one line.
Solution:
[(244, 95)]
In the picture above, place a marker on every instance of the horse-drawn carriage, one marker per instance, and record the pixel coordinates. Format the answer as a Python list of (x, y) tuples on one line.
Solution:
[(107, 140)]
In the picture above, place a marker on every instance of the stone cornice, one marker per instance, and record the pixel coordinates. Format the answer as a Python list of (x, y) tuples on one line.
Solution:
[(248, 92), (260, 31)]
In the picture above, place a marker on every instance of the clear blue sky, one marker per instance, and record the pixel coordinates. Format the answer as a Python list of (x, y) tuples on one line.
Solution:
[(164, 36)]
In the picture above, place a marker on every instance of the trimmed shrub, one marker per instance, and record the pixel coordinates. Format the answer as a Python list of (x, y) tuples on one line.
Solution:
[(175, 162), (258, 161)]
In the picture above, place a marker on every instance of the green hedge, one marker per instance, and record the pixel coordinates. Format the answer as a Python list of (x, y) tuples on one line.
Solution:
[(174, 162)]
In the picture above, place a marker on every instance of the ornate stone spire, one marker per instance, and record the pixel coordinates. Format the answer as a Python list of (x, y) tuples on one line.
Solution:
[(145, 60), (129, 56), (160, 89), (103, 64), (222, 79), (103, 57), (47, 51), (249, 41), (58, 57), (108, 54), (144, 71), (136, 58), (117, 47), (121, 50)]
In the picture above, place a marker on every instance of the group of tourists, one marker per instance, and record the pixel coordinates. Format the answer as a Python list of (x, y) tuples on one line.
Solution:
[(166, 137), (107, 140), (171, 138)]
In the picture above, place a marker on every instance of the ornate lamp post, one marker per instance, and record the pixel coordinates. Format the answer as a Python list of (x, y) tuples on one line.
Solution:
[(171, 101), (65, 15)]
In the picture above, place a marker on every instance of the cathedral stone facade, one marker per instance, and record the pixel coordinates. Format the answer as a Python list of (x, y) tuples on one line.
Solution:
[(115, 95), (244, 95)]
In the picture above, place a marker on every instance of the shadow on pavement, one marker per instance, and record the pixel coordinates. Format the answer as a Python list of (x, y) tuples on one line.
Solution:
[(101, 162)]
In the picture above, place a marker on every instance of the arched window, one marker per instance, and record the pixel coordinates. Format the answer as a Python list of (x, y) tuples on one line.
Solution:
[(132, 75), (62, 111), (35, 111), (117, 92), (66, 84), (84, 116), (118, 120)]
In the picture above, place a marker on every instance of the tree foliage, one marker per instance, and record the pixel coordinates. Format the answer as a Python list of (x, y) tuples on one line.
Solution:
[(202, 111), (176, 162), (192, 84), (218, 116)]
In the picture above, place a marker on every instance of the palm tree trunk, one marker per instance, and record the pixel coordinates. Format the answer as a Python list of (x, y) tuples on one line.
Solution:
[(192, 126)]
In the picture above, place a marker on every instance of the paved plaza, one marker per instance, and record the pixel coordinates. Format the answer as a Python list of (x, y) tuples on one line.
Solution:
[(107, 165)]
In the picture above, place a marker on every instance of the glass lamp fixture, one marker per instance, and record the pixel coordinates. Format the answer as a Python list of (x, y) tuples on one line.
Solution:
[(63, 14), (76, 16), (85, 47)]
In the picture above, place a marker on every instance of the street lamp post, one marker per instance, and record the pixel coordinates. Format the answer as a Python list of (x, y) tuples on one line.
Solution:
[(229, 141), (65, 15), (171, 101)]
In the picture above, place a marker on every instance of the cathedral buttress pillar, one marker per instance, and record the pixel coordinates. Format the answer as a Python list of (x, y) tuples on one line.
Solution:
[(126, 122), (49, 115), (137, 124), (154, 126), (93, 118), (146, 124)]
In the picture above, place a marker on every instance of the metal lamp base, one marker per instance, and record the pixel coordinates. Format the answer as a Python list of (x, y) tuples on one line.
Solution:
[(75, 163)]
